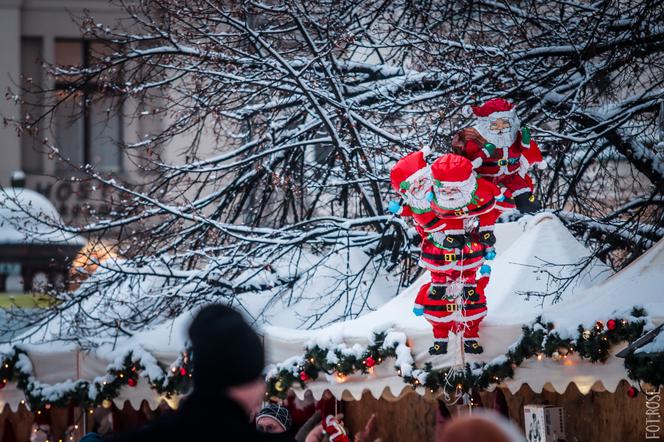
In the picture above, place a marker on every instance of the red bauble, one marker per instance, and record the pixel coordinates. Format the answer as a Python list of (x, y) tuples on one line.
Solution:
[(3, 382), (304, 377), (632, 392), (132, 382), (611, 324), (370, 362), (183, 371)]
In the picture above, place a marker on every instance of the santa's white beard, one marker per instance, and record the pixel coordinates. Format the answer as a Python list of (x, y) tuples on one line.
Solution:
[(460, 198), (418, 199), (502, 139), (420, 186)]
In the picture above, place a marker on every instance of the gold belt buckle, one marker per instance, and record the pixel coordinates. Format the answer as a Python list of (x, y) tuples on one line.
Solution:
[(450, 256), (459, 213), (450, 307), (502, 162)]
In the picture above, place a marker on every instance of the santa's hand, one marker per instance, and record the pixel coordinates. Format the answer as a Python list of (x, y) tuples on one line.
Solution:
[(489, 255), (418, 311), (394, 207), (525, 136), (489, 147), (485, 269)]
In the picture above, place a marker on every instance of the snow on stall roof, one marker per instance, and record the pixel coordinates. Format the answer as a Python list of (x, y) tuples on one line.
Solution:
[(542, 260), (27, 217), (291, 310), (638, 284)]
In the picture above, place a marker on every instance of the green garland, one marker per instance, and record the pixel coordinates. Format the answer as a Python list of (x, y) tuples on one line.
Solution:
[(540, 340), (537, 340), (124, 371), (333, 361)]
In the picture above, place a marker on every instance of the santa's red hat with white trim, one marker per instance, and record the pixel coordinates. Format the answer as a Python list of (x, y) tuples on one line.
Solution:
[(494, 105), (453, 170), (492, 109), (406, 168)]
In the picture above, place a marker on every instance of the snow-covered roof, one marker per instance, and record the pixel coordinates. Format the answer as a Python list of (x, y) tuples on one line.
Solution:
[(27, 217), (526, 252)]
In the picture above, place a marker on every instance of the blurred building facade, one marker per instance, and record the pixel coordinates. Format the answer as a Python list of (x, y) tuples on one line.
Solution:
[(33, 32), (36, 31)]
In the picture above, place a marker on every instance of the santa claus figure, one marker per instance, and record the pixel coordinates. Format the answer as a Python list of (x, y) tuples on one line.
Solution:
[(454, 300), (334, 430), (454, 213), (502, 151)]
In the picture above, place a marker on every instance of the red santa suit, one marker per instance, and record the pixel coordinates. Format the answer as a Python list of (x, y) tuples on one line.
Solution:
[(466, 203), (502, 155), (460, 314)]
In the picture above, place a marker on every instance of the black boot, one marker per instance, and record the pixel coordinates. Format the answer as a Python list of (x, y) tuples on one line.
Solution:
[(527, 203), (471, 346), (470, 294), (439, 348), (454, 241), (487, 238), (436, 292)]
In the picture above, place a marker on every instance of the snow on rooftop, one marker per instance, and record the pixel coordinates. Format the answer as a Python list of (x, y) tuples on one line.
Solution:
[(638, 284), (27, 217), (545, 259)]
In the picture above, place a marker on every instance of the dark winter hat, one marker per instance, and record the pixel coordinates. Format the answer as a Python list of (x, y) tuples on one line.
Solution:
[(278, 413), (226, 350)]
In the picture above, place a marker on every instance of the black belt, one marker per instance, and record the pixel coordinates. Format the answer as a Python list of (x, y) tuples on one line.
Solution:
[(431, 223), (454, 307), (458, 213), (451, 256), (510, 161)]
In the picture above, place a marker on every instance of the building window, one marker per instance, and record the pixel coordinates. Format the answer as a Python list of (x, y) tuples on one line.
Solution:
[(88, 128), (32, 74)]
